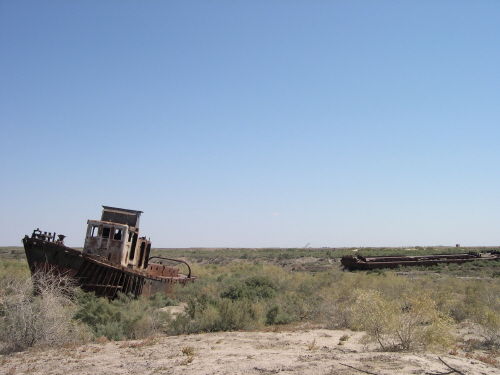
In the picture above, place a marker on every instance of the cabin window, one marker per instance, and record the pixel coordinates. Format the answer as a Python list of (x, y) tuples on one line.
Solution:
[(132, 247), (146, 257), (132, 253), (94, 232), (141, 254), (105, 232), (118, 235)]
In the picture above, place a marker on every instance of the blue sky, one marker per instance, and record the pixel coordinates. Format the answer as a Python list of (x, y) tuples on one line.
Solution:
[(253, 123)]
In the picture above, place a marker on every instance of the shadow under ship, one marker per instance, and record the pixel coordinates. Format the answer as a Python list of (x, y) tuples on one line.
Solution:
[(114, 258)]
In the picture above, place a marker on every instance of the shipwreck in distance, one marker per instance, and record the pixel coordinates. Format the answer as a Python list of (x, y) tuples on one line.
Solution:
[(380, 262), (114, 258)]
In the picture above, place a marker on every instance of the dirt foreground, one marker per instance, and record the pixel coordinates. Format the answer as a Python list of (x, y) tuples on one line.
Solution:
[(315, 351)]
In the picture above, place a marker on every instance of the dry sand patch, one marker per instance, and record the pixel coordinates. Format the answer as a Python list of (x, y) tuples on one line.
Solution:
[(315, 351)]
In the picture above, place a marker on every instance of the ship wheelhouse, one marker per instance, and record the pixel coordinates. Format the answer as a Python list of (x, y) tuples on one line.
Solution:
[(116, 238)]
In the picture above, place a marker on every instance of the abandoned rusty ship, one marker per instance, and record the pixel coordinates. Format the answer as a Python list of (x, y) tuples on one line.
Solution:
[(114, 258), (379, 262)]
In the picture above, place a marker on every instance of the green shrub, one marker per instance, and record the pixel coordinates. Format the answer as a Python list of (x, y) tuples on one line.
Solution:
[(253, 288), (209, 314), (275, 315), (160, 300), (123, 318), (182, 324), (235, 315)]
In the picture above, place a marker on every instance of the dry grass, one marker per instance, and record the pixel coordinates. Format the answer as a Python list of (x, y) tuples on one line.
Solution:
[(312, 345), (38, 312)]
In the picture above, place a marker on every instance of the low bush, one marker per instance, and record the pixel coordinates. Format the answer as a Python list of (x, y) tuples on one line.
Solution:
[(479, 303), (252, 288), (40, 316), (160, 300), (123, 318), (275, 315), (407, 323)]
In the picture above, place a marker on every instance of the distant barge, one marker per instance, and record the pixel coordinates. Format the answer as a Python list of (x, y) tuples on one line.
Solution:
[(114, 258), (369, 263)]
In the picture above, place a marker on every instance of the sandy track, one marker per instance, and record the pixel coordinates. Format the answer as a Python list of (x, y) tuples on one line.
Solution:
[(289, 352)]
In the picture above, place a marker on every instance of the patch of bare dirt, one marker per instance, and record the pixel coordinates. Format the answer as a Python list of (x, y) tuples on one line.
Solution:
[(316, 351)]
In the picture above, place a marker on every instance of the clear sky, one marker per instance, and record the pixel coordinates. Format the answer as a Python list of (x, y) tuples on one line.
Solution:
[(253, 123)]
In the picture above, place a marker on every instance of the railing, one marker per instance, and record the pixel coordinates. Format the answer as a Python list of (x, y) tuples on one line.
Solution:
[(175, 260), (48, 237)]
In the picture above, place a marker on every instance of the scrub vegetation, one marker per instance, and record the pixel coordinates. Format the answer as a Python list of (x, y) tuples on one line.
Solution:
[(400, 310)]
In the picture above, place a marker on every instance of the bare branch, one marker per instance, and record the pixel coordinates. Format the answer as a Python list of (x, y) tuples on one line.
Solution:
[(357, 369), (445, 373)]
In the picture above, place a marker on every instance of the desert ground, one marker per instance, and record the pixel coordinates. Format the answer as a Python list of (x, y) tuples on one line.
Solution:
[(298, 351)]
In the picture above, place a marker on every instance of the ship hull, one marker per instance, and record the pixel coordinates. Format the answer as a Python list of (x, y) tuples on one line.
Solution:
[(94, 273), (391, 262)]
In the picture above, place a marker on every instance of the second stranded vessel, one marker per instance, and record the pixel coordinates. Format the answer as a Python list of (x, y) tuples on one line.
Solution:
[(379, 262)]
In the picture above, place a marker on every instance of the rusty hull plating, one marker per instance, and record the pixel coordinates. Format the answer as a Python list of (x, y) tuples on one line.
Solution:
[(114, 258)]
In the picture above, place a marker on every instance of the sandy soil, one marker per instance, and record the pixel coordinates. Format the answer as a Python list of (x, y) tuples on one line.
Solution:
[(315, 351)]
